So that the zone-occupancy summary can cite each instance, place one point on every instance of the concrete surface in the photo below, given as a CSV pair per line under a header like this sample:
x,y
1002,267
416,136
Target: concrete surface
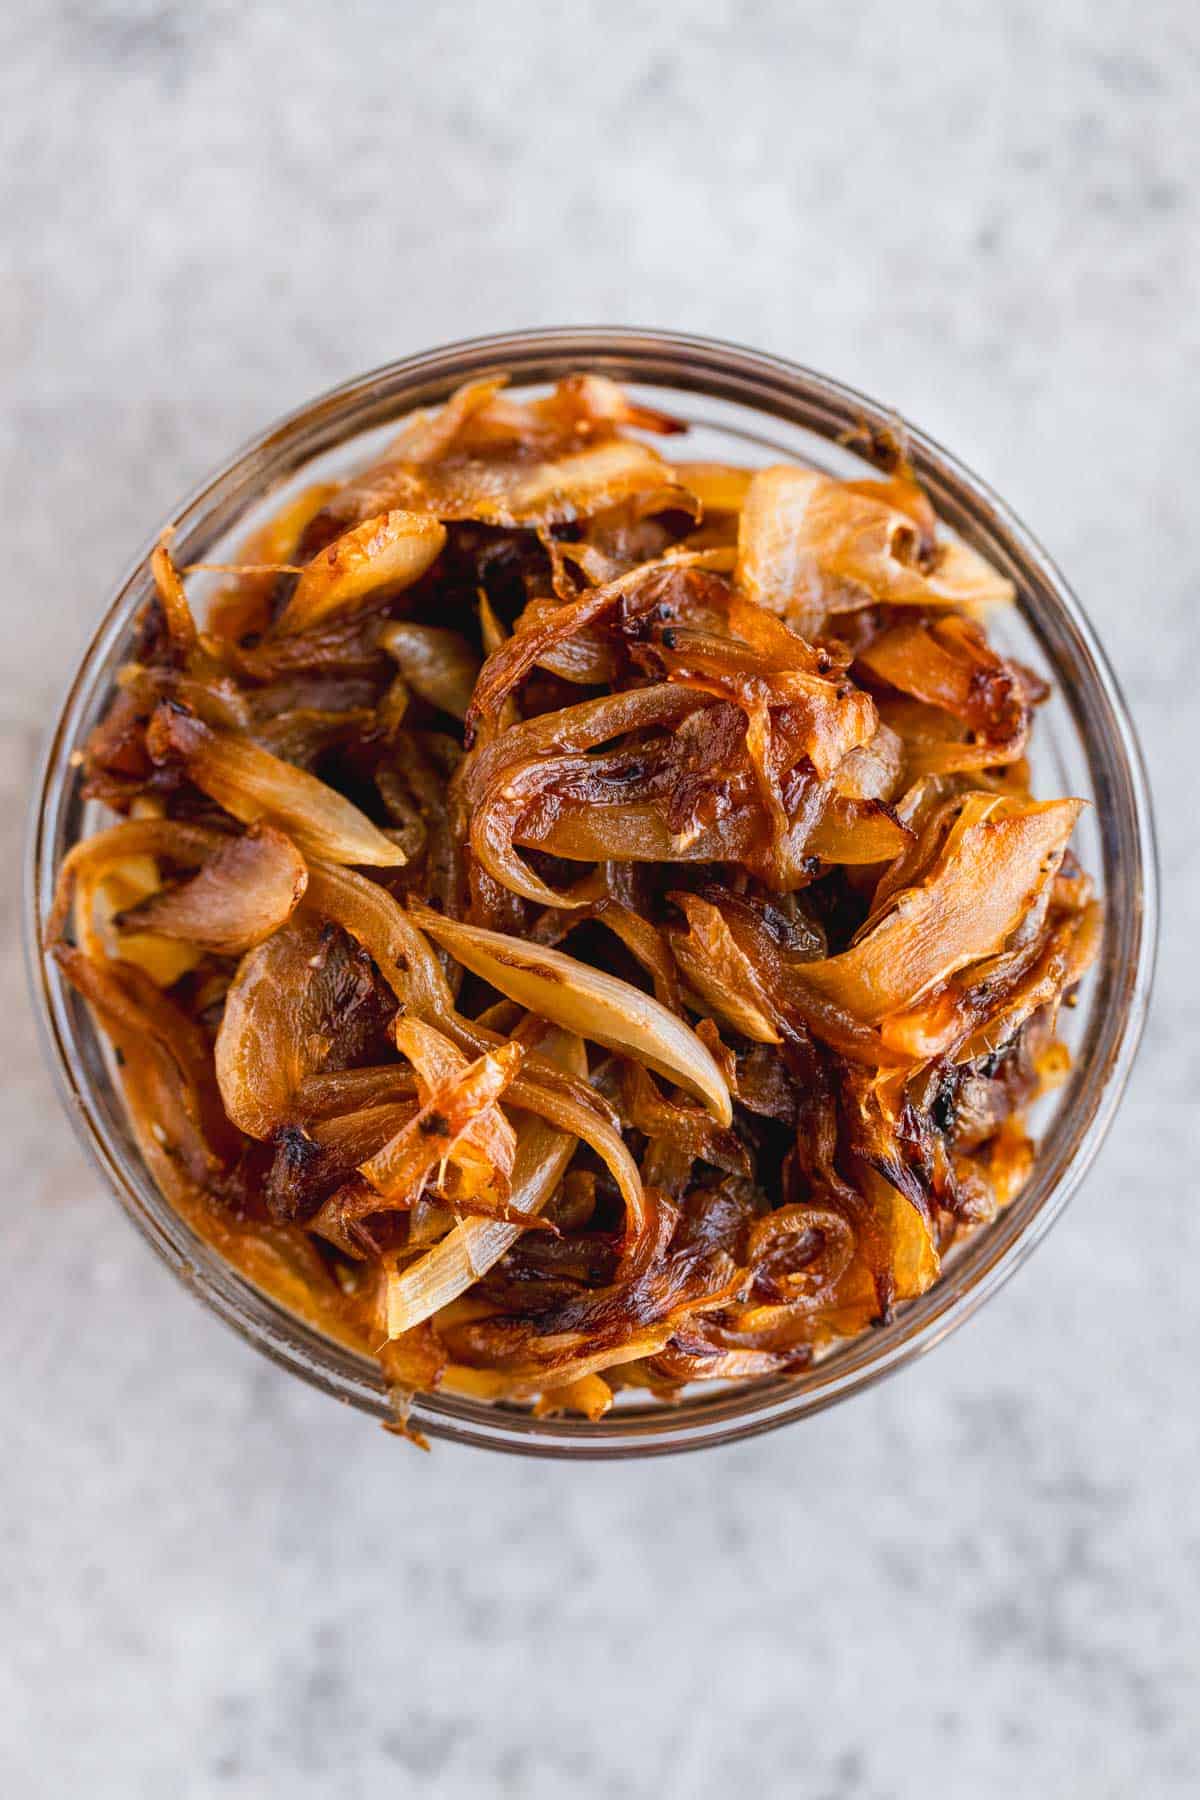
x,y
982,1578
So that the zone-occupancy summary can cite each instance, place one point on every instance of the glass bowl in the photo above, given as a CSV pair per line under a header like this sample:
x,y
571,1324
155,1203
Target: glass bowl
x,y
743,407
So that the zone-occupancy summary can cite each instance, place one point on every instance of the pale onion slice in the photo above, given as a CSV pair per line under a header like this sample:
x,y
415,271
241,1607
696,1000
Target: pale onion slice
x,y
252,784
248,888
437,664
382,556
474,1246
582,999
995,863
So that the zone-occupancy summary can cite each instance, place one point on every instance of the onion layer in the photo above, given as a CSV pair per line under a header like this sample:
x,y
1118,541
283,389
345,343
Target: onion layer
x,y
586,1000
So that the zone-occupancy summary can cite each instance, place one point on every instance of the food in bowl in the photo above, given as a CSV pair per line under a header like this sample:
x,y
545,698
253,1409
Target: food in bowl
x,y
578,919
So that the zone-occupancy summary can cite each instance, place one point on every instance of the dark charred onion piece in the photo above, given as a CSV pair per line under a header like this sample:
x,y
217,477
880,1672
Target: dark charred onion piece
x,y
526,746
372,916
502,784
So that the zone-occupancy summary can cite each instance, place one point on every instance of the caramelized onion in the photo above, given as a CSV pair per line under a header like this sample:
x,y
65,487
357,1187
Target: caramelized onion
x,y
438,665
735,736
809,546
587,1001
375,560
370,914
474,1245
720,973
980,889
252,784
249,888
284,1012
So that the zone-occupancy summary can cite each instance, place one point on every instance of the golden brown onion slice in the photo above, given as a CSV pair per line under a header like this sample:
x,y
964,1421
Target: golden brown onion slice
x,y
719,972
585,1000
284,1013
130,846
948,667
855,832
871,771
719,487
483,1155
995,863
243,605
475,1245
252,784
511,491
181,627
249,887
451,1106
438,665
776,565
426,437
809,546
168,1057
579,403
371,562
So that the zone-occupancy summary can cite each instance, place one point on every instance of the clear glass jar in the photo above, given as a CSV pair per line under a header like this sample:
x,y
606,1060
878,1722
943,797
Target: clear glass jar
x,y
743,407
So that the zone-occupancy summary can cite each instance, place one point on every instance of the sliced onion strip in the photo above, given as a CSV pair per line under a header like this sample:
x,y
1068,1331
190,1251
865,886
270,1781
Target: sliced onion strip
x,y
582,999
252,784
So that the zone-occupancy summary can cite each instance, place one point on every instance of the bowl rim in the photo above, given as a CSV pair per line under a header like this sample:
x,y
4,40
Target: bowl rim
x,y
770,384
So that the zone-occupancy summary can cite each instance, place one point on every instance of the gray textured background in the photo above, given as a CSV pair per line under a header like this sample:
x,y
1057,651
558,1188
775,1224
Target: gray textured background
x,y
981,1578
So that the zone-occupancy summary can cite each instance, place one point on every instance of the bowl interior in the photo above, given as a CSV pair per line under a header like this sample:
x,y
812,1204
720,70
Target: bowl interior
x,y
741,408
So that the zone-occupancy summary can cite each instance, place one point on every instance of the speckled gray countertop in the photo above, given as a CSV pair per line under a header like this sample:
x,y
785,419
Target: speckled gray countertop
x,y
981,1578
